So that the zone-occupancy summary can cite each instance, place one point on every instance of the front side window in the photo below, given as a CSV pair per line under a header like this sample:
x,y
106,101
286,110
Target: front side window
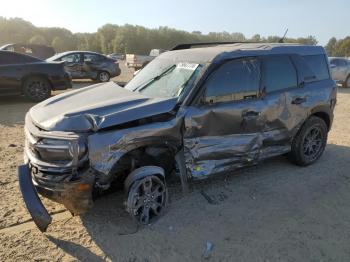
x,y
73,58
278,73
234,80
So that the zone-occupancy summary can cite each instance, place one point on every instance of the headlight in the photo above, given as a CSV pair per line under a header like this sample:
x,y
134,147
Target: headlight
x,y
58,150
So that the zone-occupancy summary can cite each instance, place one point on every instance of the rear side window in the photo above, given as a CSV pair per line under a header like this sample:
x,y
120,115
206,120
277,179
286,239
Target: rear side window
x,y
278,72
92,58
318,64
234,80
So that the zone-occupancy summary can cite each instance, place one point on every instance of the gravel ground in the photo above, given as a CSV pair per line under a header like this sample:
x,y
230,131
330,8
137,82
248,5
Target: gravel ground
x,y
271,212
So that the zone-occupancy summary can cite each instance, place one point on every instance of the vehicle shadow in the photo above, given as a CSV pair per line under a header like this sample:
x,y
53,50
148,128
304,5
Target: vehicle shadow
x,y
259,198
79,252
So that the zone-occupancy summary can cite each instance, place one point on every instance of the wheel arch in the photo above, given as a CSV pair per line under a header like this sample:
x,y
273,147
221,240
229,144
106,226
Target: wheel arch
x,y
324,116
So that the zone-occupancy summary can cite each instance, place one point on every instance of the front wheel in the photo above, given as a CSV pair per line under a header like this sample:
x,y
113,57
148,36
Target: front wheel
x,y
103,76
147,198
37,88
310,142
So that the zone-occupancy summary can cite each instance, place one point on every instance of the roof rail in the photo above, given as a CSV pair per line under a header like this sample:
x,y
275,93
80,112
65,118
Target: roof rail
x,y
190,45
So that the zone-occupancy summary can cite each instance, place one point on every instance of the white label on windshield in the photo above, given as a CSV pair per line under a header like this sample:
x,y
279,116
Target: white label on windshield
x,y
188,66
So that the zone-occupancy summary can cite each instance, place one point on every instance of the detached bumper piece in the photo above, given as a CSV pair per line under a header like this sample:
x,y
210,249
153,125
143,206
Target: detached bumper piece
x,y
34,205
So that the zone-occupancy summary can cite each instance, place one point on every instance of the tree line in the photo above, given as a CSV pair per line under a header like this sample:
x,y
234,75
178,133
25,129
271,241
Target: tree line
x,y
127,38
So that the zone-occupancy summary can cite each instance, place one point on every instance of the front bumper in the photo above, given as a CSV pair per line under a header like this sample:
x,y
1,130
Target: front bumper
x,y
74,192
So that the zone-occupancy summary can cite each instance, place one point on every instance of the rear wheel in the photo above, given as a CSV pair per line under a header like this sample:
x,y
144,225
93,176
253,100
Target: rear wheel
x,y
147,198
310,142
37,88
103,76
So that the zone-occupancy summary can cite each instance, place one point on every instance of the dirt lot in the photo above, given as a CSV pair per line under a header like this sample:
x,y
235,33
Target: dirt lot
x,y
272,212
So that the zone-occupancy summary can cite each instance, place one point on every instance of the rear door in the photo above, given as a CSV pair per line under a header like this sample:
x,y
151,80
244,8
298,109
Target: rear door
x,y
92,64
284,99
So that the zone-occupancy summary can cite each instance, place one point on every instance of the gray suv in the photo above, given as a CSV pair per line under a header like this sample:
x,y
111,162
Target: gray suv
x,y
340,70
192,112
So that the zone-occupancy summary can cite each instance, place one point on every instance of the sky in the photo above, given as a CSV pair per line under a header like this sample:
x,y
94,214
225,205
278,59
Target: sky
x,y
320,18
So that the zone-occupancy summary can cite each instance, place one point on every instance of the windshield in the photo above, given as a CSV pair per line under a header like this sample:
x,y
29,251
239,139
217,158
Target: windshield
x,y
164,78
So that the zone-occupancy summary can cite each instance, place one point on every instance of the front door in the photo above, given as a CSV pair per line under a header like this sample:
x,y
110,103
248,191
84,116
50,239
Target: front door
x,y
74,65
221,131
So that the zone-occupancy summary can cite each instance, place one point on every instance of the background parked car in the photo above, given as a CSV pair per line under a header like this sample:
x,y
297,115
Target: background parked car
x,y
140,61
39,51
82,64
340,70
35,78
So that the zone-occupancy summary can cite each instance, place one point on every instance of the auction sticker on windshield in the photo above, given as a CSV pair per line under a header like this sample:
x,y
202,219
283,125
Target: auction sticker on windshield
x,y
188,66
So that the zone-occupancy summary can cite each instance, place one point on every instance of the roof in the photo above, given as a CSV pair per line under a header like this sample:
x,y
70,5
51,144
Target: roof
x,y
226,51
72,52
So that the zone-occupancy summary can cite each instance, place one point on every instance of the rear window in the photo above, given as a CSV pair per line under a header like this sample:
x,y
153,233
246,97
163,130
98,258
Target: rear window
x,y
318,64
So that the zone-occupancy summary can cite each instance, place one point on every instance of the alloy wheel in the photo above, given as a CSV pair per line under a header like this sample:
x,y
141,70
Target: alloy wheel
x,y
313,143
147,199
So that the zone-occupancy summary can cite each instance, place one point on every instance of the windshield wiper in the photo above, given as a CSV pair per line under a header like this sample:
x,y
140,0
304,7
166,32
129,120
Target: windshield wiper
x,y
156,78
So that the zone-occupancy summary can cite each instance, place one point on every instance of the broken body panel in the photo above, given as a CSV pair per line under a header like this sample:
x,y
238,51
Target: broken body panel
x,y
203,138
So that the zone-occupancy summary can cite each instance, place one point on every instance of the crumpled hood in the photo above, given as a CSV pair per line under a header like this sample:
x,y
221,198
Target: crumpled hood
x,y
96,107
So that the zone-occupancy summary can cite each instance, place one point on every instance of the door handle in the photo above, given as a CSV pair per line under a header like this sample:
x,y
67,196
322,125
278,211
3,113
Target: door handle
x,y
298,100
250,114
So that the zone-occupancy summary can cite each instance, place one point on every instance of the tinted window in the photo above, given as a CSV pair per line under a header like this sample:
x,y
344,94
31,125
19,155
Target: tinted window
x,y
278,73
92,58
72,58
318,64
15,58
234,80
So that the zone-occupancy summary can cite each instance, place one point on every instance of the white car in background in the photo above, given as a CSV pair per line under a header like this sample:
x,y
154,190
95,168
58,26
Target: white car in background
x,y
340,70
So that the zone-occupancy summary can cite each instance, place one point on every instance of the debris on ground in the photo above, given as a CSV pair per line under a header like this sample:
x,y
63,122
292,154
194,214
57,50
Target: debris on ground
x,y
208,249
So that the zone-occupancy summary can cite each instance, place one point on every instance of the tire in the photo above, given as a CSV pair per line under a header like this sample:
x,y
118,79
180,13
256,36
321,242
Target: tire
x,y
103,76
346,84
147,199
37,88
310,142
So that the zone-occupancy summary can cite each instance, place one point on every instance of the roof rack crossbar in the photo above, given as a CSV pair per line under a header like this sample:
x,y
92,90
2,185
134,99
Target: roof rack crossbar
x,y
190,45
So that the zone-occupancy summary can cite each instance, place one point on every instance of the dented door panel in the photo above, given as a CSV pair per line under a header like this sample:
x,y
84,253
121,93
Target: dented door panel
x,y
223,137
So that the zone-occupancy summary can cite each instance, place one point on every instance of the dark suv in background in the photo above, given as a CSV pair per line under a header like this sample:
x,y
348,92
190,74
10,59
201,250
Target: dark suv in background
x,y
83,64
30,76
190,113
